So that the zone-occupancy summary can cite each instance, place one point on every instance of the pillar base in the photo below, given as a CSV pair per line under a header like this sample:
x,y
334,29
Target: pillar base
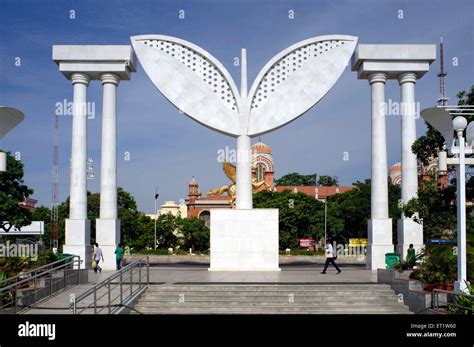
x,y
379,242
409,232
244,240
78,231
461,287
108,237
78,240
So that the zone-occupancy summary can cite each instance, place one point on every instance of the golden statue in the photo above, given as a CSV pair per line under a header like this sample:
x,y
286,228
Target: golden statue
x,y
231,173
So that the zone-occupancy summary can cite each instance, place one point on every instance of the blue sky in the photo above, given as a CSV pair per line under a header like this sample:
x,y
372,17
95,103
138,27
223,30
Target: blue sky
x,y
166,148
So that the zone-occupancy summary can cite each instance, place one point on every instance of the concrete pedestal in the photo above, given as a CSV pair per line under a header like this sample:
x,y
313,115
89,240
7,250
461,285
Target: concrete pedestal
x,y
108,237
379,242
409,232
78,240
244,240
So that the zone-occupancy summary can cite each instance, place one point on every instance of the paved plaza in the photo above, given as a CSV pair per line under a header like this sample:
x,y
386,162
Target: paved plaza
x,y
288,274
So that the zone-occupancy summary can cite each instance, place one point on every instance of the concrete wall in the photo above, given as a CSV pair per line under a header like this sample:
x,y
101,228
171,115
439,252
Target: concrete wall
x,y
204,259
418,300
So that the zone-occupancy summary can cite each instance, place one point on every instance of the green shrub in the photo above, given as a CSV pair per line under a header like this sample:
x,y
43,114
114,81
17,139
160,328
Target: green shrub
x,y
439,265
463,304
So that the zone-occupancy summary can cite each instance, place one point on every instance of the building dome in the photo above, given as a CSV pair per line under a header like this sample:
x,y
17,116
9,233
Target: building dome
x,y
395,173
260,147
193,182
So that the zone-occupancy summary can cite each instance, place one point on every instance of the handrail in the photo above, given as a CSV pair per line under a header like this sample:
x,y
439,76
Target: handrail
x,y
49,265
435,299
13,297
117,280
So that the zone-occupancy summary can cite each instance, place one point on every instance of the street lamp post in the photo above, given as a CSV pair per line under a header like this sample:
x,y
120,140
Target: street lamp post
x,y
440,119
156,211
325,220
459,124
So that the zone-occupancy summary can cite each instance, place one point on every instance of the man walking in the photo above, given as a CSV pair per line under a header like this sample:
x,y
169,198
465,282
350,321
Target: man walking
x,y
96,257
330,257
119,251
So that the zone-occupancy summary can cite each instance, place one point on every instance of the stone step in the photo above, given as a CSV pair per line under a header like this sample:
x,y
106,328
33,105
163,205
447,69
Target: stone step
x,y
250,287
341,309
216,303
270,292
270,299
237,301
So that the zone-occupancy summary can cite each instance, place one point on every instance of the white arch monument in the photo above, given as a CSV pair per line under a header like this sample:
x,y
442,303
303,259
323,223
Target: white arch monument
x,y
291,83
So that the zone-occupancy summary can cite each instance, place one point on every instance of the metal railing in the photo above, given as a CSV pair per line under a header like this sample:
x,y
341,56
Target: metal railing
x,y
452,302
26,289
113,294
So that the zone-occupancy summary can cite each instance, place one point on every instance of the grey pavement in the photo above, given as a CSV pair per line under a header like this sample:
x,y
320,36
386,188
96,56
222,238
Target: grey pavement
x,y
288,274
59,303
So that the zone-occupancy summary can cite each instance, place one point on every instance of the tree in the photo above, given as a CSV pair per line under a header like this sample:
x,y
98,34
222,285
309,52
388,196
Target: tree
x,y
195,232
166,226
296,179
300,215
349,212
12,192
137,230
43,213
466,98
427,147
328,181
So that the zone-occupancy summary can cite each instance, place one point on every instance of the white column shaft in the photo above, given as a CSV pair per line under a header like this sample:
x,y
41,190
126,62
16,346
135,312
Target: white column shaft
x,y
408,114
244,173
78,182
108,172
379,188
460,284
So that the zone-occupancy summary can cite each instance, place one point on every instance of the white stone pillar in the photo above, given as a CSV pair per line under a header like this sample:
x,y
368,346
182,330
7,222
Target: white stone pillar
x,y
379,226
244,173
77,225
244,155
108,225
409,232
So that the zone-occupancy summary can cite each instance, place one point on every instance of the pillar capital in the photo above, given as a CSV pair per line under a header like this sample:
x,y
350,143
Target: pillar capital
x,y
109,77
80,77
377,77
407,77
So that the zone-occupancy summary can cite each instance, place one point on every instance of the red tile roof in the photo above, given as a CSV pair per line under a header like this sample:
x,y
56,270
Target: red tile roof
x,y
323,191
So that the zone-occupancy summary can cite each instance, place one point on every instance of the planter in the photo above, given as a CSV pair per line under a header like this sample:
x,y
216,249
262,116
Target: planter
x,y
450,287
428,287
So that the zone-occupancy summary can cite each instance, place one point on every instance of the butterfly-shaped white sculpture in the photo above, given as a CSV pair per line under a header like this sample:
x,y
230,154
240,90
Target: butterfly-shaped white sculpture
x,y
291,83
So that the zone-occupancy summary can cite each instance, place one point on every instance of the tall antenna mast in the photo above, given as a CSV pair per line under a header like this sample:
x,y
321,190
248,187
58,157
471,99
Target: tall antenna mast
x,y
53,232
443,99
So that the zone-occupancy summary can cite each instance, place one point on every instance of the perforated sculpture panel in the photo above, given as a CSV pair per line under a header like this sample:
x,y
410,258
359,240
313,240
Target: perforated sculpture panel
x,y
292,82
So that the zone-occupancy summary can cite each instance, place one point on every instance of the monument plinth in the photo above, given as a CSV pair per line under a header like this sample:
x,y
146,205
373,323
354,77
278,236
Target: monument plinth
x,y
244,240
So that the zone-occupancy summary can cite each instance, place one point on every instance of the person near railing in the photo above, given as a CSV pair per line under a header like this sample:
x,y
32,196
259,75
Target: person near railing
x,y
119,252
98,254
